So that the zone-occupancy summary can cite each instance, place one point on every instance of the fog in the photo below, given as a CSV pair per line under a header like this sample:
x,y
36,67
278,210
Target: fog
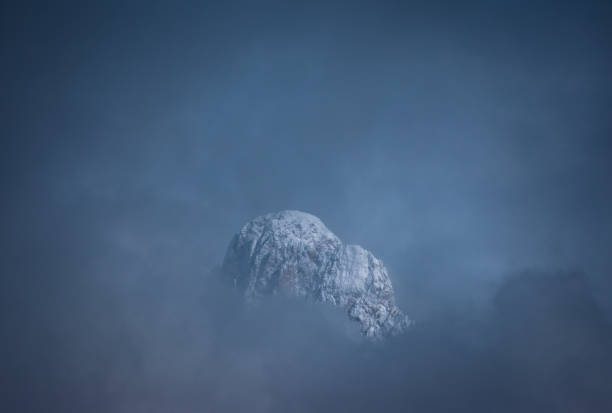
x,y
467,146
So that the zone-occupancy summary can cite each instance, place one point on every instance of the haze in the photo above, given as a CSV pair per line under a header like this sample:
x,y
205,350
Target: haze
x,y
466,144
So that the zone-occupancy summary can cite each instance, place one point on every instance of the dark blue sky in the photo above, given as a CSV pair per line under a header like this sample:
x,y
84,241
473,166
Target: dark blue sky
x,y
462,143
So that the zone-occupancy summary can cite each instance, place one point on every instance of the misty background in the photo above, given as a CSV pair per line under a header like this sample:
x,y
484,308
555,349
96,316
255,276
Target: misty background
x,y
466,144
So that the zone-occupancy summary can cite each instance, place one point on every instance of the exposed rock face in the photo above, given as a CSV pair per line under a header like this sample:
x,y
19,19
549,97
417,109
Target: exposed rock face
x,y
294,253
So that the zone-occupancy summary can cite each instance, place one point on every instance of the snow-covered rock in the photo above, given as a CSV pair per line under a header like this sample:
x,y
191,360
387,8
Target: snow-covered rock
x,y
293,253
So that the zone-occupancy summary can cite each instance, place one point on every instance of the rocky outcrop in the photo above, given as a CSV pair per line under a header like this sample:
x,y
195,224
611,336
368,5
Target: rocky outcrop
x,y
293,253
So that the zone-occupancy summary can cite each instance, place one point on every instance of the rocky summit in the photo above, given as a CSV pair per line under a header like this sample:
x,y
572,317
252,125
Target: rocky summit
x,y
293,253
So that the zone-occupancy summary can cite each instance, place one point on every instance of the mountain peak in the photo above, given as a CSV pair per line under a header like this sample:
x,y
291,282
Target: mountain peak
x,y
294,253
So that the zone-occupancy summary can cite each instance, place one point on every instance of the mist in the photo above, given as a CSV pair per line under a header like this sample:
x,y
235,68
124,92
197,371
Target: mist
x,y
467,146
